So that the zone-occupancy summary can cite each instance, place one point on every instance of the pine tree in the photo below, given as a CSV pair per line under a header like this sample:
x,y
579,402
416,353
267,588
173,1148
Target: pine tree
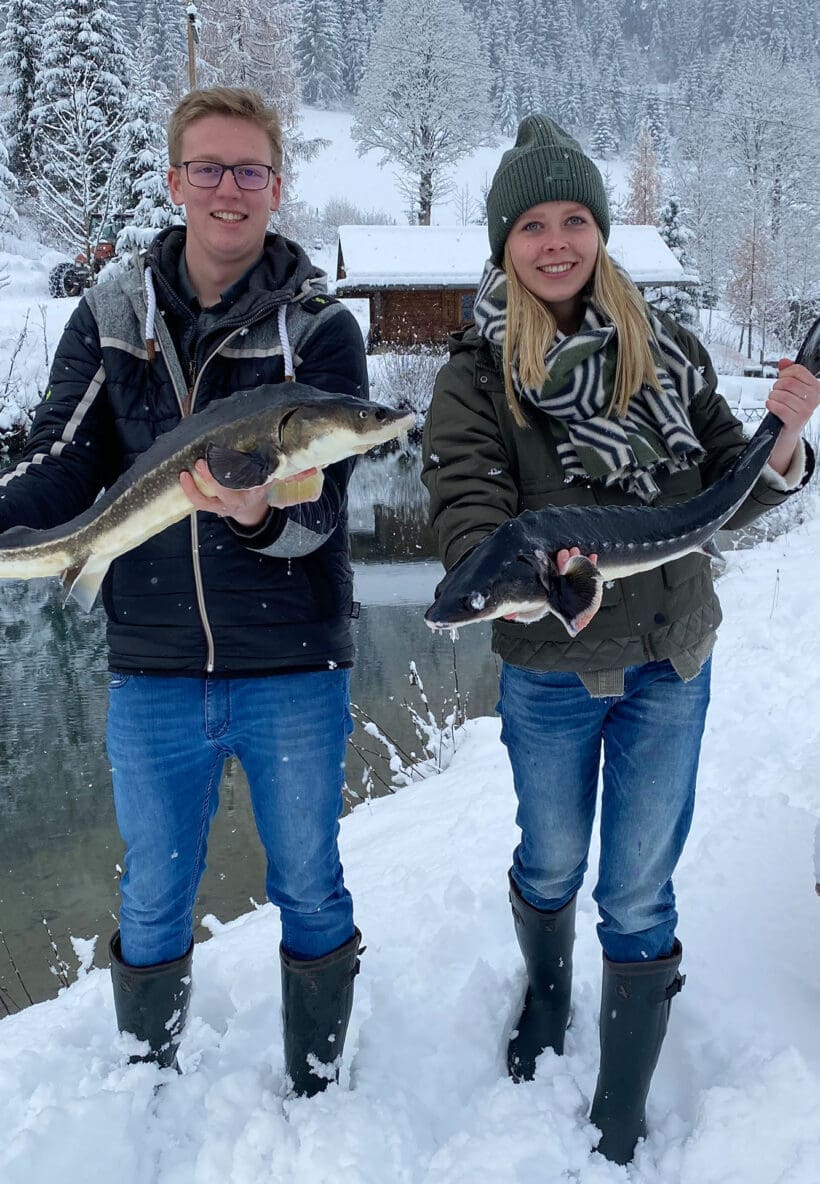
x,y
78,114
319,52
145,165
644,182
19,58
164,42
82,78
424,101
8,184
680,302
604,143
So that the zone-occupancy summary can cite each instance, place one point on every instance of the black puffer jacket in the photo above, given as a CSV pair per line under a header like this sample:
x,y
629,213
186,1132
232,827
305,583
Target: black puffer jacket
x,y
201,596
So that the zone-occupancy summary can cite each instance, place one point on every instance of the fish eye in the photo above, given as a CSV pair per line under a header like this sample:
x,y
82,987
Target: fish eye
x,y
363,414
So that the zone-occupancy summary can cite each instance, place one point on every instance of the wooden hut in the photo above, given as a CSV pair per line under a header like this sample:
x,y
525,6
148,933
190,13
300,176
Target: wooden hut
x,y
420,281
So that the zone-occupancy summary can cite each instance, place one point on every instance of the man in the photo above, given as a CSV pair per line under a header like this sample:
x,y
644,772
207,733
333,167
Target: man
x,y
229,633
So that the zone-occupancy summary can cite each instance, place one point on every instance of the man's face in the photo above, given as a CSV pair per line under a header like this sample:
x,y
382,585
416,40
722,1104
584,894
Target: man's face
x,y
226,224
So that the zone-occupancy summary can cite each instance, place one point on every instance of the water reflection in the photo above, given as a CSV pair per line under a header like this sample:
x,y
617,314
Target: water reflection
x,y
59,847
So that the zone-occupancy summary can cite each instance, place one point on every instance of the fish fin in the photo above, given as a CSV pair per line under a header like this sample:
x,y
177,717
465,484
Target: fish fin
x,y
575,594
282,494
82,583
711,549
240,470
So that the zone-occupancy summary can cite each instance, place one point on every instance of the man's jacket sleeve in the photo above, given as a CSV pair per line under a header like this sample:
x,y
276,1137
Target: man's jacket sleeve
x,y
71,452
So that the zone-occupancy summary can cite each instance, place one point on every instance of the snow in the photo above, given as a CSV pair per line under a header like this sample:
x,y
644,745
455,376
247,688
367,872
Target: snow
x,y
424,1098
454,256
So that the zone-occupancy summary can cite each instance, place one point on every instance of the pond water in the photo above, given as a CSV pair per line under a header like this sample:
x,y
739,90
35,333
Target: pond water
x,y
59,847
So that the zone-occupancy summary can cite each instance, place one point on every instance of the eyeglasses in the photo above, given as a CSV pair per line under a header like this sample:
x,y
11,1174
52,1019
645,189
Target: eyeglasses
x,y
206,174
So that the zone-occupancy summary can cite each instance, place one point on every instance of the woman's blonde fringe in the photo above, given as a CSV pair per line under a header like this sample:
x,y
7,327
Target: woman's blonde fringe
x,y
531,330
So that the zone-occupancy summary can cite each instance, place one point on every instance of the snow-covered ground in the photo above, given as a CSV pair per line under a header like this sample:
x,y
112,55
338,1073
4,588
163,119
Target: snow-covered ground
x,y
424,1098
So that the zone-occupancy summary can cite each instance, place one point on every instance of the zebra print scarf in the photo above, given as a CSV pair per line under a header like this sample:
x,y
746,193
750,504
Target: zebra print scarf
x,y
655,431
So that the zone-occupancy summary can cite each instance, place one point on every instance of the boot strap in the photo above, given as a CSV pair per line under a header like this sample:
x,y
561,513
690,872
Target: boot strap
x,y
666,994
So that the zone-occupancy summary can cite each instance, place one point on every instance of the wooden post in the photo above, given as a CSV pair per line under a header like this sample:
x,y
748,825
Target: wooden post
x,y
191,21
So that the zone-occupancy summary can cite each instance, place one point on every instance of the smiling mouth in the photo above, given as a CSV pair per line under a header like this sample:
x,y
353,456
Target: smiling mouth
x,y
555,268
228,216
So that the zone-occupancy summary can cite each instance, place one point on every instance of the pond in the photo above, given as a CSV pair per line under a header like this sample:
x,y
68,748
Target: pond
x,y
60,851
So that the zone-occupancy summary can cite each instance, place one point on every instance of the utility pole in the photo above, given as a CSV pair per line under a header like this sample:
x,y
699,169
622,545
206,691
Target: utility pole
x,y
192,22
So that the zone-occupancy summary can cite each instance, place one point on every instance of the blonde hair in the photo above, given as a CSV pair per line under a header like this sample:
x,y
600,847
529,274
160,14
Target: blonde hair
x,y
531,330
225,100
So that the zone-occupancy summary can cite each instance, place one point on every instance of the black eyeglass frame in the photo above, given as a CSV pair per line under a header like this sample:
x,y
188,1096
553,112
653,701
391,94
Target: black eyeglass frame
x,y
228,168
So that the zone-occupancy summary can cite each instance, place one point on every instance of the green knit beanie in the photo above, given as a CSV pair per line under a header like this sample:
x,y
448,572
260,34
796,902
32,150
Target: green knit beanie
x,y
545,165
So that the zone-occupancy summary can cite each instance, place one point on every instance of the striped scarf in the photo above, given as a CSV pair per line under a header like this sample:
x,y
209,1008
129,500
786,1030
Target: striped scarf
x,y
653,433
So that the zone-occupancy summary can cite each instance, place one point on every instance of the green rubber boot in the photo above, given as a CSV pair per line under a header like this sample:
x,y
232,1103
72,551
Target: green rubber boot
x,y
546,941
317,999
635,1001
151,1002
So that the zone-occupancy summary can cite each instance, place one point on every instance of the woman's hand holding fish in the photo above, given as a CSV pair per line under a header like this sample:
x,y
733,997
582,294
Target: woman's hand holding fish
x,y
794,398
562,559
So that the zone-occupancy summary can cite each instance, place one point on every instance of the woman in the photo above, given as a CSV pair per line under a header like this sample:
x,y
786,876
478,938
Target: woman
x,y
570,390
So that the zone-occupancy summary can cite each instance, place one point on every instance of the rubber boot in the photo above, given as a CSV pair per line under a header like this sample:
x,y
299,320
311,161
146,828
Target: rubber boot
x,y
151,1003
317,999
546,941
635,1001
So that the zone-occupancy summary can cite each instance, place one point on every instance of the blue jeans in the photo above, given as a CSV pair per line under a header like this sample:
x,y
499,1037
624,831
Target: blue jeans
x,y
168,738
555,731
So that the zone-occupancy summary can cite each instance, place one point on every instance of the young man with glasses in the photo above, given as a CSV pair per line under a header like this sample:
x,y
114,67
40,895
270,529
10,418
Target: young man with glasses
x,y
229,634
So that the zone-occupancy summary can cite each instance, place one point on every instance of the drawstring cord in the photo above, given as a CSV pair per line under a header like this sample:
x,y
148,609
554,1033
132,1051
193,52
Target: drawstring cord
x,y
287,356
150,314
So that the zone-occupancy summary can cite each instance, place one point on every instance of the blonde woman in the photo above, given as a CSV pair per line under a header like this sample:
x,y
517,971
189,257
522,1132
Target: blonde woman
x,y
569,389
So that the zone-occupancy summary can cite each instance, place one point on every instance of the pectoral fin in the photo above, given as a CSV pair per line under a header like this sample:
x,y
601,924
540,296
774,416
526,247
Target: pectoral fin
x,y
574,595
240,470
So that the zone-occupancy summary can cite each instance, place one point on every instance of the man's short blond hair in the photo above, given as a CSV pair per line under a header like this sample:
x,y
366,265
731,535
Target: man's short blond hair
x,y
235,101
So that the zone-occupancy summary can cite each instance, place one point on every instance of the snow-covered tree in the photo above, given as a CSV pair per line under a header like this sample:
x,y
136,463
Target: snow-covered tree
x,y
144,186
8,184
680,302
751,286
81,89
319,51
424,101
78,114
644,182
20,25
164,39
358,20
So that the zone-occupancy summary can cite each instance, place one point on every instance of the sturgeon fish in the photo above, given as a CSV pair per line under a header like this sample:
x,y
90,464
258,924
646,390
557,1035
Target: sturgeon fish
x,y
263,436
514,570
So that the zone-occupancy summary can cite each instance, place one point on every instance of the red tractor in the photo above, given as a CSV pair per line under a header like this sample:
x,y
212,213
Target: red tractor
x,y
71,279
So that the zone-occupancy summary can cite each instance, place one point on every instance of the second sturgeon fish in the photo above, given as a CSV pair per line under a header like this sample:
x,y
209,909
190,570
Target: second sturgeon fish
x,y
514,570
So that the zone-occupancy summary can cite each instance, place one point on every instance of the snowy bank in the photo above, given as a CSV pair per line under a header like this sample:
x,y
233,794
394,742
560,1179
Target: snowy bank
x,y
424,1098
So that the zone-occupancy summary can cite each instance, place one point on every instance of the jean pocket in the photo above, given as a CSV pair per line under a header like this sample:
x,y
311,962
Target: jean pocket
x,y
118,680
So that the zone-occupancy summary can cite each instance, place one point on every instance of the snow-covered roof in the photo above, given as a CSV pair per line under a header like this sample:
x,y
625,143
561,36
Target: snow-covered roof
x,y
454,256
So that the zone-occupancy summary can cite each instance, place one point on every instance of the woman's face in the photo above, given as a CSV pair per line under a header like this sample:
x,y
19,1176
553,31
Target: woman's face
x,y
553,248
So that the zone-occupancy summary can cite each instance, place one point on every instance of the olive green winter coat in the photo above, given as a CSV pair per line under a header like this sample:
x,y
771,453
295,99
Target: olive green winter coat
x,y
481,468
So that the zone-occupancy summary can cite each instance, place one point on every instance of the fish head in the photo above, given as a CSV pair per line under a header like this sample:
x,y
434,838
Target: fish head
x,y
323,429
493,580
506,576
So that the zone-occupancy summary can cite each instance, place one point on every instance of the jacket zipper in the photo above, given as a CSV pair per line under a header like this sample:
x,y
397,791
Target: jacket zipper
x,y
187,407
